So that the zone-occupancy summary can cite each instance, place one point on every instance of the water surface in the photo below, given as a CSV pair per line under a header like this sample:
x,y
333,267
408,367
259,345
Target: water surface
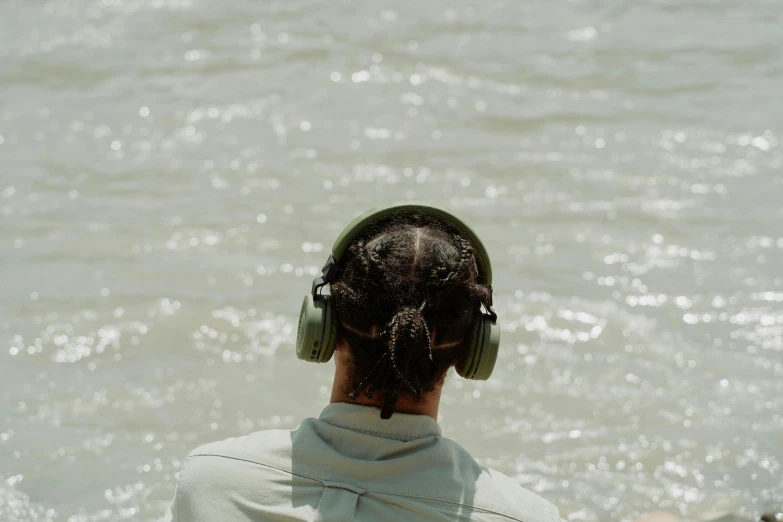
x,y
173,172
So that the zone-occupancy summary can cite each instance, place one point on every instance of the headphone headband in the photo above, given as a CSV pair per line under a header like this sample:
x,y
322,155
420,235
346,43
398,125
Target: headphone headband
x,y
371,217
318,329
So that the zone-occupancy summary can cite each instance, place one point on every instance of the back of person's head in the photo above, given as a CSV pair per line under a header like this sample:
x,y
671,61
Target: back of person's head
x,y
407,297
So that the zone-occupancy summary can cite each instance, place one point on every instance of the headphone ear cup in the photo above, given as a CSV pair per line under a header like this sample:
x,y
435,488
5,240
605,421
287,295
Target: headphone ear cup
x,y
467,364
317,331
489,353
308,333
330,330
482,354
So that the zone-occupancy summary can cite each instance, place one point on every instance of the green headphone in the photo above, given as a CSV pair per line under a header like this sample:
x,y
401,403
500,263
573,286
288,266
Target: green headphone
x,y
317,332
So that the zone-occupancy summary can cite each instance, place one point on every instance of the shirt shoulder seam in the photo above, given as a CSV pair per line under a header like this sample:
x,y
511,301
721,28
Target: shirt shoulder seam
x,y
369,489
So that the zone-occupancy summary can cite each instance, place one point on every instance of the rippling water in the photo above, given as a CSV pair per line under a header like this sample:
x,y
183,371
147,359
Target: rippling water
x,y
173,172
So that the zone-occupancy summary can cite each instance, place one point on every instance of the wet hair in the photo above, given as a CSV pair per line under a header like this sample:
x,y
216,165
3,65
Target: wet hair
x,y
407,295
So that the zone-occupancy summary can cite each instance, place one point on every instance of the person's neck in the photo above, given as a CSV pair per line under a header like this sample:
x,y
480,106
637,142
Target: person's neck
x,y
428,406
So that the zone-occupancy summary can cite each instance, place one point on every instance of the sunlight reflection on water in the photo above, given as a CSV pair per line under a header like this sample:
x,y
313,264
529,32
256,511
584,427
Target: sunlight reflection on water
x,y
174,173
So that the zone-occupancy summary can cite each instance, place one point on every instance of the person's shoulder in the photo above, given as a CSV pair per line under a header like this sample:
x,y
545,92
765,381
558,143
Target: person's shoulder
x,y
232,456
495,488
494,491
258,447
233,462
234,465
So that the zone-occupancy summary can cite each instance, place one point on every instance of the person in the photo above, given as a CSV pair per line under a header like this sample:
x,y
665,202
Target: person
x,y
409,286
410,297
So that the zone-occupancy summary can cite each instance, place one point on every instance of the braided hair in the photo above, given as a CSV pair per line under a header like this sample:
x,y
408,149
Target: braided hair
x,y
406,284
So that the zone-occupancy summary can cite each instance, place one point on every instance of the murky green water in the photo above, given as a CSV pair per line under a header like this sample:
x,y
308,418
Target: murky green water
x,y
173,172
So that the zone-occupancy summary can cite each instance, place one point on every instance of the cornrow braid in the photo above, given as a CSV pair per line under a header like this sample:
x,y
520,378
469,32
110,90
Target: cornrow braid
x,y
405,283
426,330
402,332
359,252
463,270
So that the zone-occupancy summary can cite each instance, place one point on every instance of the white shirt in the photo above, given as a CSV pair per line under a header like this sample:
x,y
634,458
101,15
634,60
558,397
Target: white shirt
x,y
349,465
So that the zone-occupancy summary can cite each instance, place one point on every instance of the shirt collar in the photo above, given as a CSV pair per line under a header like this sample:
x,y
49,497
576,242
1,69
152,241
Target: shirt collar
x,y
404,426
